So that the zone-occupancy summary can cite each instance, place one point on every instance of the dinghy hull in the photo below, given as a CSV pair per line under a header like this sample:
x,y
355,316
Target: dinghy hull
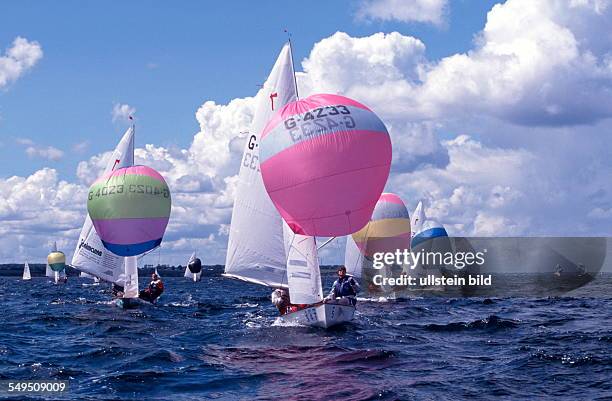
x,y
131,303
324,315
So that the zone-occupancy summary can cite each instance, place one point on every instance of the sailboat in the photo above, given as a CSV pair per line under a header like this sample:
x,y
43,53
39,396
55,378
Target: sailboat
x,y
128,210
56,265
90,255
387,232
194,268
26,272
262,249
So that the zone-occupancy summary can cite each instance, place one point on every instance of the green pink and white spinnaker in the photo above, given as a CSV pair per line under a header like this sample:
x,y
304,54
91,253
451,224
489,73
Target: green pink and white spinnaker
x,y
325,161
130,209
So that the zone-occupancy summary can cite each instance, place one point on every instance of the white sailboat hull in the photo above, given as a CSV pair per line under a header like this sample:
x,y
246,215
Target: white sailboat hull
x,y
324,315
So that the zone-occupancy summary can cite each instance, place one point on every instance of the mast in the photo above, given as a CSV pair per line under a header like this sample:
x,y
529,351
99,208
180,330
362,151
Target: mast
x,y
130,263
297,94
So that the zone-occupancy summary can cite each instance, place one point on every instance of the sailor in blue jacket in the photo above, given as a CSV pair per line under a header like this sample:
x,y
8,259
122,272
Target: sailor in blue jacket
x,y
344,290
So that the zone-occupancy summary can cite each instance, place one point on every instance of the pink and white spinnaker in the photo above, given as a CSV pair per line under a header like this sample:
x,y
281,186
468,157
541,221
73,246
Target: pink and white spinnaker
x,y
325,161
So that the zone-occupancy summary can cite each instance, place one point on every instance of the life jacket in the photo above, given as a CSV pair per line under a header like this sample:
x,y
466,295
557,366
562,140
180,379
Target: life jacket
x,y
156,286
344,287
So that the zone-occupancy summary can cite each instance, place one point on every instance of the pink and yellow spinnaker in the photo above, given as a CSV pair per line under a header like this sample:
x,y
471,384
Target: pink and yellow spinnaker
x,y
389,228
130,209
325,161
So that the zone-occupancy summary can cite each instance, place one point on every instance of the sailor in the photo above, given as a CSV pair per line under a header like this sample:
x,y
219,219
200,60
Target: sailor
x,y
344,290
280,299
155,289
117,291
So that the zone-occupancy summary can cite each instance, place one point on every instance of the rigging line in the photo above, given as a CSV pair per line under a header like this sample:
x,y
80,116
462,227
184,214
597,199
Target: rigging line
x,y
361,255
325,243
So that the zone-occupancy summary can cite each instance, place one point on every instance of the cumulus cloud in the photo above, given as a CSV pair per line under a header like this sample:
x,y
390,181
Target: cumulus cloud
x,y
18,59
80,147
533,66
35,150
122,112
48,152
36,210
426,11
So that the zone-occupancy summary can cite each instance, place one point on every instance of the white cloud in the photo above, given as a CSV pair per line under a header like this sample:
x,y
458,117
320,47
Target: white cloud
x,y
36,210
24,141
18,59
35,150
122,112
427,11
533,66
48,152
80,147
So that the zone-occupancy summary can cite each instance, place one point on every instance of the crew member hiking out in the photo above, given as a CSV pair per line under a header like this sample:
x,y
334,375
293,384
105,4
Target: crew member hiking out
x,y
344,290
155,289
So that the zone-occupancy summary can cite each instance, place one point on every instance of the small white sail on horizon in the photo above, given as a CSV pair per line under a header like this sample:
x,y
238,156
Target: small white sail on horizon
x,y
418,218
26,272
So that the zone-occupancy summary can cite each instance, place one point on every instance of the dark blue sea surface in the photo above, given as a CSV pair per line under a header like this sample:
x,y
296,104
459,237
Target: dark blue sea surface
x,y
217,339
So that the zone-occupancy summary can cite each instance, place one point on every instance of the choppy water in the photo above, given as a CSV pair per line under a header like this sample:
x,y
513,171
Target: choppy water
x,y
217,339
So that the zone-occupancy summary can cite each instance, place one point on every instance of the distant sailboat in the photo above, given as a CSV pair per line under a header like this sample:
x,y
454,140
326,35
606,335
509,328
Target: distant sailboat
x,y
388,231
262,249
56,264
26,272
193,270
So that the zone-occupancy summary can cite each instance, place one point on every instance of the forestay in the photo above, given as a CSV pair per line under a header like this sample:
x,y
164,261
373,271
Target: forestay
x,y
255,251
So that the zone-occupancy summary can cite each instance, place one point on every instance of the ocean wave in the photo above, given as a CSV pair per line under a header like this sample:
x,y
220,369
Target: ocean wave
x,y
492,322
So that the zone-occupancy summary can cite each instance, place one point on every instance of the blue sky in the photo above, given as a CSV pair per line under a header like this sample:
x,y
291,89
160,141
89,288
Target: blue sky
x,y
165,61
499,112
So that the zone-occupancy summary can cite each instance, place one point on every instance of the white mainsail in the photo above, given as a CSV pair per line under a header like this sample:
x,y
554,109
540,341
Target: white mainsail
x,y
90,256
26,272
256,250
418,218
